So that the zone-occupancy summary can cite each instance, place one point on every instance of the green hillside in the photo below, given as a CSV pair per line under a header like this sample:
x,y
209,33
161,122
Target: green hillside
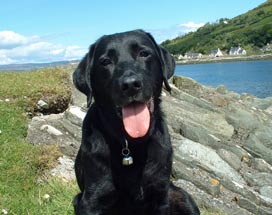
x,y
251,30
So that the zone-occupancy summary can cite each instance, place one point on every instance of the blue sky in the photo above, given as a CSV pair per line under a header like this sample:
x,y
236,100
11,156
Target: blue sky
x,y
53,30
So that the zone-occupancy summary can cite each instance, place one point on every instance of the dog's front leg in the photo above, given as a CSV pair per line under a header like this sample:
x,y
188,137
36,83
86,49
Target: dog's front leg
x,y
156,177
95,201
99,193
94,177
156,194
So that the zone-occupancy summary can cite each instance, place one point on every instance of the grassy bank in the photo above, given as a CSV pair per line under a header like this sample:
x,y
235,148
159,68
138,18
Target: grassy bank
x,y
22,165
25,187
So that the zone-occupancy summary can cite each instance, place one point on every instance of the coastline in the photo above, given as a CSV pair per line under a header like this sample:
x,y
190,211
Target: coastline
x,y
224,59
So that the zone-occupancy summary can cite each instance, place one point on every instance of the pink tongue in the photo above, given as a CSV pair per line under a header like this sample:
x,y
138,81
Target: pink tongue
x,y
136,119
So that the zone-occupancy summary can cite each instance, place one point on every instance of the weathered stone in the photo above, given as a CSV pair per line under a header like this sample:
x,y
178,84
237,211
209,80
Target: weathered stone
x,y
196,175
71,129
219,101
232,159
263,104
222,89
259,179
240,118
75,115
41,104
259,142
36,135
64,169
269,110
186,84
208,159
262,165
51,130
252,207
197,125
241,189
214,204
266,192
45,130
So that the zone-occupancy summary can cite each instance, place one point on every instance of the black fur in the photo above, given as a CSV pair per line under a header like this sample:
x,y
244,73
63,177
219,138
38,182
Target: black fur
x,y
107,187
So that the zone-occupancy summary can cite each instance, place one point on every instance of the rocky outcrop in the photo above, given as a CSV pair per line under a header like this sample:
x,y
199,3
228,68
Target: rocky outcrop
x,y
222,144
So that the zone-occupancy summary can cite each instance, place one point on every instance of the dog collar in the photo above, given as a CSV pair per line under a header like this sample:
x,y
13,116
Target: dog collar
x,y
127,159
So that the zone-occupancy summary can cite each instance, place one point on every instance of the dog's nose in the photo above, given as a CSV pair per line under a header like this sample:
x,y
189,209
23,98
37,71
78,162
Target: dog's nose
x,y
131,85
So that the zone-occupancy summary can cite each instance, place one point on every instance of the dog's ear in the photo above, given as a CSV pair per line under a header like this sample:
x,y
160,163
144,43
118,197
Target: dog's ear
x,y
81,76
167,62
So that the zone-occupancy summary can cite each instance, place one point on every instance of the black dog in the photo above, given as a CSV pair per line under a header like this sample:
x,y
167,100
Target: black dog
x,y
124,163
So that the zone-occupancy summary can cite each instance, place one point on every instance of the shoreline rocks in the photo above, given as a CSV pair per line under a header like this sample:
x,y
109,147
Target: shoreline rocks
x,y
222,144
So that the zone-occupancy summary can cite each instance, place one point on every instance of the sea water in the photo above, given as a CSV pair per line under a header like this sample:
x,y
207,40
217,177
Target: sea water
x,y
253,77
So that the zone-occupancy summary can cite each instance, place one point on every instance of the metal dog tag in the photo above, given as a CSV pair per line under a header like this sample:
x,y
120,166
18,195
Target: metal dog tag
x,y
127,161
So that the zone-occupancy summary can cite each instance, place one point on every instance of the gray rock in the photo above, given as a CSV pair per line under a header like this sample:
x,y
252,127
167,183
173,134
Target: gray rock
x,y
200,125
36,135
232,159
75,115
196,175
261,165
41,104
254,208
259,142
269,110
51,130
266,192
214,204
64,169
262,103
222,89
259,179
240,118
208,159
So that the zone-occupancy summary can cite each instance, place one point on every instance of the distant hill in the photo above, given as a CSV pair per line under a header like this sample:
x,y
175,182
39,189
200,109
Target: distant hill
x,y
32,66
251,30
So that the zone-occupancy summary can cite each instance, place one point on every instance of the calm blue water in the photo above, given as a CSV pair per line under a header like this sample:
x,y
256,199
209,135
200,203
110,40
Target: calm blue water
x,y
254,77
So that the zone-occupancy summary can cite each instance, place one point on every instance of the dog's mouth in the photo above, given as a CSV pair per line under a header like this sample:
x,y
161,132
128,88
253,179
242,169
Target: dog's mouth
x,y
136,118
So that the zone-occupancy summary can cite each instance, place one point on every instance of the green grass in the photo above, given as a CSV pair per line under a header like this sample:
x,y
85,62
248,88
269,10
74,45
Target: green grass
x,y
251,30
26,88
22,165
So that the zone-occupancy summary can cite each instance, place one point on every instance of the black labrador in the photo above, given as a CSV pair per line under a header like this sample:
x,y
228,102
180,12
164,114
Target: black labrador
x,y
124,163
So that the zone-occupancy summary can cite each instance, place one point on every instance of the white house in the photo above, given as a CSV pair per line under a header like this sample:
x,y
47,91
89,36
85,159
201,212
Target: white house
x,y
215,53
237,51
179,57
267,48
193,55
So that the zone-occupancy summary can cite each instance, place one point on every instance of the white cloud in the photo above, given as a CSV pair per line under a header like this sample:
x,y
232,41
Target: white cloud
x,y
192,25
10,39
175,31
17,48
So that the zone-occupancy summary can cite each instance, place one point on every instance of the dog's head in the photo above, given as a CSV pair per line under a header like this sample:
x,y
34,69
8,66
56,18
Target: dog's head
x,y
126,71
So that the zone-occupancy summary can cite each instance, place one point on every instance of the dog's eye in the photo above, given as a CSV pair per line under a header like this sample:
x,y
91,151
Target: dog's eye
x,y
144,53
105,61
